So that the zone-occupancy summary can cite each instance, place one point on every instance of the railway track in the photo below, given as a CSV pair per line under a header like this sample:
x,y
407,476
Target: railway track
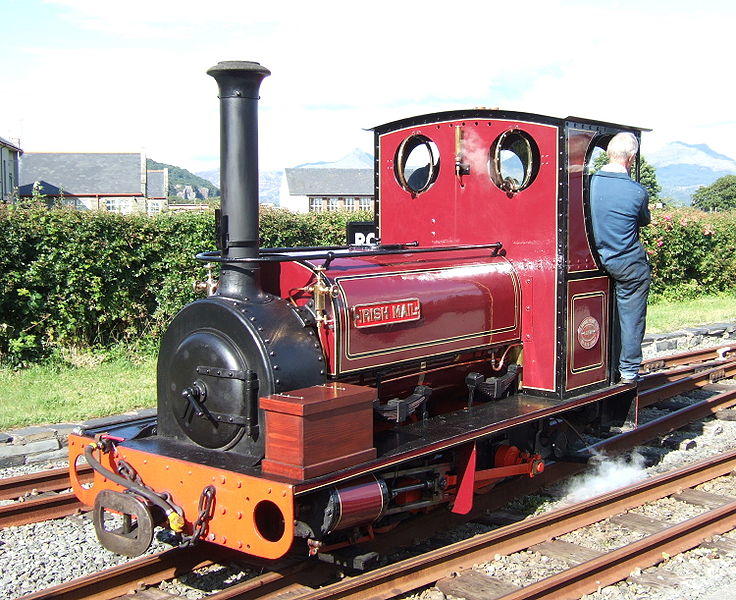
x,y
691,373
684,358
41,496
134,575
45,481
435,567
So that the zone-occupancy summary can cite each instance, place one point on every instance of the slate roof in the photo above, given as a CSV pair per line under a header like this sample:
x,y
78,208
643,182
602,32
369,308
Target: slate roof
x,y
81,173
11,145
155,184
330,182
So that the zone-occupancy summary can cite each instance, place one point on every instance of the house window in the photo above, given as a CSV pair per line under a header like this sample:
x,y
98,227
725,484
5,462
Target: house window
x,y
350,204
333,204
365,204
119,205
315,204
71,202
154,207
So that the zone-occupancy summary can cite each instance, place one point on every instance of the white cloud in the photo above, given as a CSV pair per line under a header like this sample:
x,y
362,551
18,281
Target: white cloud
x,y
131,75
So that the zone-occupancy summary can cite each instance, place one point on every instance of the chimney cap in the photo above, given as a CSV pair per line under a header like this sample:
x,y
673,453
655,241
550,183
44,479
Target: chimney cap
x,y
226,66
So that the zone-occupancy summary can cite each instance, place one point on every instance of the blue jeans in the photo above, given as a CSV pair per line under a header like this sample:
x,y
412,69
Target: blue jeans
x,y
631,288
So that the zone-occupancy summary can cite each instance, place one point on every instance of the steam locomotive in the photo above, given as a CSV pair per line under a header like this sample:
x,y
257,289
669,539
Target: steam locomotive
x,y
321,394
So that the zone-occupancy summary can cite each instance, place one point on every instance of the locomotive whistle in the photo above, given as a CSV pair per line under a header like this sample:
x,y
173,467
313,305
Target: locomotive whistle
x,y
461,168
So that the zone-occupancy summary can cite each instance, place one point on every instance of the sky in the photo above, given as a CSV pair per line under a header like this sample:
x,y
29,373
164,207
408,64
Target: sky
x,y
112,76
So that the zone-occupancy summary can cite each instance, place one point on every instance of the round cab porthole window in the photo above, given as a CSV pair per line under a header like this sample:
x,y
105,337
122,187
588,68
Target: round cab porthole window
x,y
417,164
514,161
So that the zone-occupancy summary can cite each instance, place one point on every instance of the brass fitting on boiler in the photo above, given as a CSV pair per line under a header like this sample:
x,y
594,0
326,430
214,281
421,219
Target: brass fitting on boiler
x,y
320,293
209,285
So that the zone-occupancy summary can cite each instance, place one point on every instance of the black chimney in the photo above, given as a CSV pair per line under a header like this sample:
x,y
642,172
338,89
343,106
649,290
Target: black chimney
x,y
239,82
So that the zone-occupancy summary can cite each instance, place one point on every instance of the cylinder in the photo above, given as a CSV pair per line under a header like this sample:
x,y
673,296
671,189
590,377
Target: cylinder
x,y
239,83
357,503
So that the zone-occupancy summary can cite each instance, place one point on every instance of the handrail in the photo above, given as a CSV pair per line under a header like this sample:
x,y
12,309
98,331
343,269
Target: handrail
x,y
328,253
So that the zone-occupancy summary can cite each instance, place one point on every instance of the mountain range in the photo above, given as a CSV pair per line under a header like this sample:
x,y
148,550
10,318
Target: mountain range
x,y
269,184
681,169
185,184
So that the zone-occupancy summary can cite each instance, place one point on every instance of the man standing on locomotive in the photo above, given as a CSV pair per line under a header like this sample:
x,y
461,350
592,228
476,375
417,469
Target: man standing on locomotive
x,y
619,207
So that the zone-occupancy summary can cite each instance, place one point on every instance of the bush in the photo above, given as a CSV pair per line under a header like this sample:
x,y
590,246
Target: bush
x,y
78,279
691,253
95,280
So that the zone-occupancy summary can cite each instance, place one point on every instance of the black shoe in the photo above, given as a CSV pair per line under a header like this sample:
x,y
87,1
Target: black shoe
x,y
627,380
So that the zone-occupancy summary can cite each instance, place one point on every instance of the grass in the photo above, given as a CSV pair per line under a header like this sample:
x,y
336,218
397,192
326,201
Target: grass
x,y
94,388
55,394
667,316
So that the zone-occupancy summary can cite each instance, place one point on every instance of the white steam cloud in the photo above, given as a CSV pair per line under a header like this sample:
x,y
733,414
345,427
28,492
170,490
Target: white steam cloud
x,y
475,151
607,474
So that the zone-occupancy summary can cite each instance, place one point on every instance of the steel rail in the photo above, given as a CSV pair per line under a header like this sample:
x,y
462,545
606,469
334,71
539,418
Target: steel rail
x,y
52,480
658,378
382,583
616,565
141,572
426,569
726,398
698,379
38,509
296,578
273,581
691,356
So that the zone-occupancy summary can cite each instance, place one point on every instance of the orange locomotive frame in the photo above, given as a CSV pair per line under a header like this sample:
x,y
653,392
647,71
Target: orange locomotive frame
x,y
233,522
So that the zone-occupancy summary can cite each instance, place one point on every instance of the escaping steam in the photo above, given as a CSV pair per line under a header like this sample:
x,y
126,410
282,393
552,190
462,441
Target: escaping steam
x,y
475,151
607,475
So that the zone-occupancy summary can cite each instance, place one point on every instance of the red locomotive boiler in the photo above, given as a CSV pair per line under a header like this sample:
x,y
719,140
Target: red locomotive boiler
x,y
321,394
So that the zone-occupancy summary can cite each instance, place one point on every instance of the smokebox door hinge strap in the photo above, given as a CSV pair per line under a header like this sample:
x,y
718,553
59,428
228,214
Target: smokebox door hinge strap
x,y
224,373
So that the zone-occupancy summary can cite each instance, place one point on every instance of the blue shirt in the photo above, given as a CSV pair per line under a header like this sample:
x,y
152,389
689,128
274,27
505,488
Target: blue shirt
x,y
618,207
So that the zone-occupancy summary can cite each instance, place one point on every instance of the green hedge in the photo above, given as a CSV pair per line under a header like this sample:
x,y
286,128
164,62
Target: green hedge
x,y
95,279
73,279
691,253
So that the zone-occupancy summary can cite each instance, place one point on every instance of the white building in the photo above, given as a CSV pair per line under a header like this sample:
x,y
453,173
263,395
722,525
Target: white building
x,y
347,184
9,157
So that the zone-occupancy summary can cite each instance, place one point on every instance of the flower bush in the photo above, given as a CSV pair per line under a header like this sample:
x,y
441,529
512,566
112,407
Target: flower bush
x,y
691,252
